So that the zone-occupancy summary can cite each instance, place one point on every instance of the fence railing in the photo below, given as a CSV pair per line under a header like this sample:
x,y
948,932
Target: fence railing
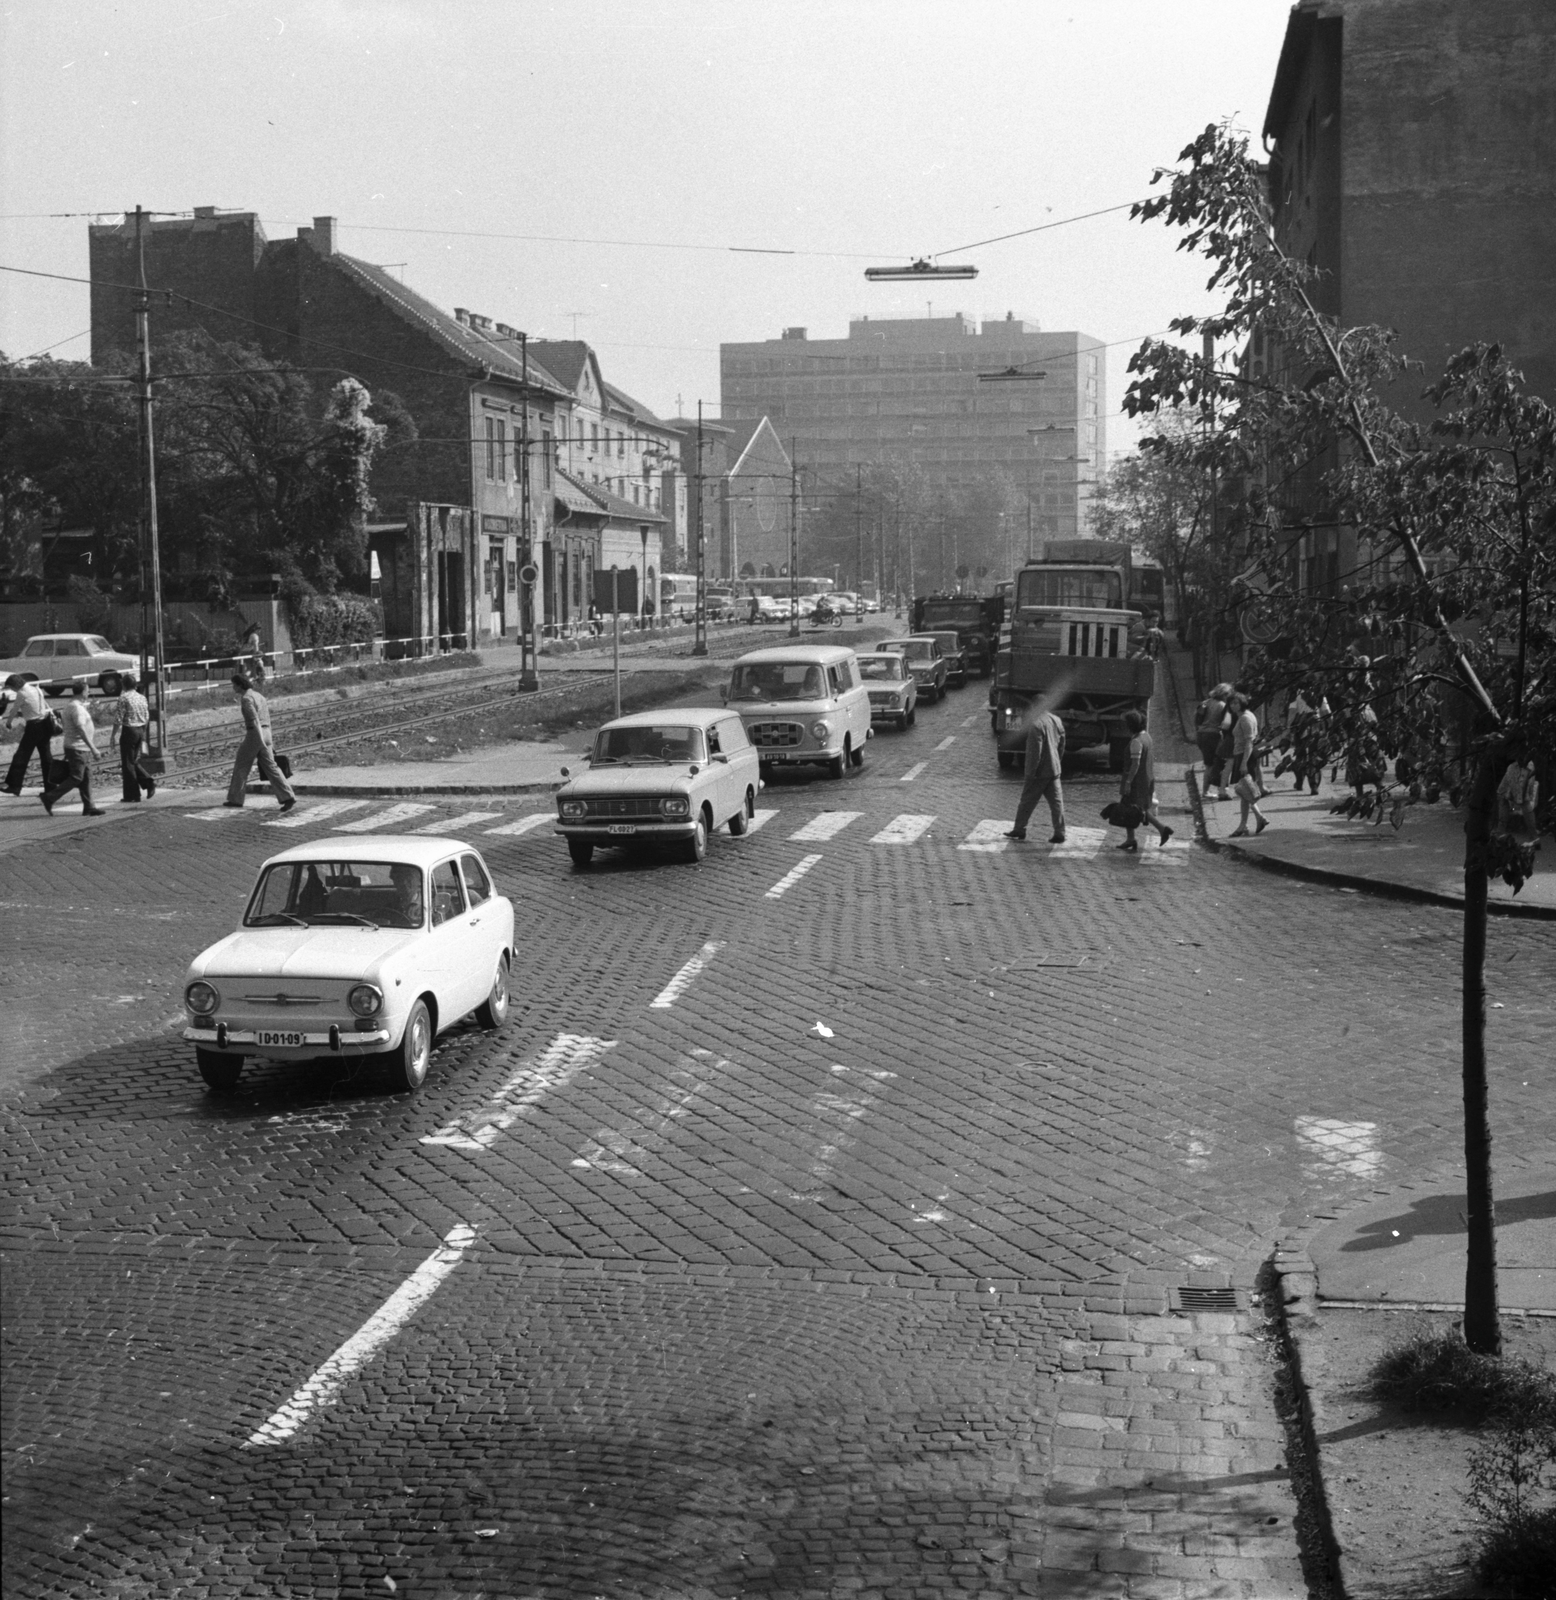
x,y
304,660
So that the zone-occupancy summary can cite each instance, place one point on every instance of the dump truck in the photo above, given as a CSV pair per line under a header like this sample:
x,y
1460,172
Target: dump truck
x,y
1072,635
976,621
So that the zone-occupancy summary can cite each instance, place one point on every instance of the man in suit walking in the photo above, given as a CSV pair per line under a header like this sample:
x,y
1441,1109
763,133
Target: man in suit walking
x,y
255,747
1044,757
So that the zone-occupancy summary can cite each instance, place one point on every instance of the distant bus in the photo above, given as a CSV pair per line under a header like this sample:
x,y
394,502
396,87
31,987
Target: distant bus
x,y
678,594
1152,592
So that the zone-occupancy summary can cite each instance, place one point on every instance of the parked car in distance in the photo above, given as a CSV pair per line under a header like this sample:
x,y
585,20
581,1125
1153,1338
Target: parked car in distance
x,y
802,705
660,778
892,688
367,948
925,661
954,653
57,660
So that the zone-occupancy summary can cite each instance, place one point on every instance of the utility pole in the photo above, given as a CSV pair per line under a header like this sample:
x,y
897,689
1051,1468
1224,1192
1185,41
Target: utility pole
x,y
700,644
529,641
157,758
858,544
794,543
1210,652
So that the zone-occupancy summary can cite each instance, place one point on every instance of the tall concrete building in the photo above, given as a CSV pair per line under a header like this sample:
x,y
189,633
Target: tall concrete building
x,y
911,390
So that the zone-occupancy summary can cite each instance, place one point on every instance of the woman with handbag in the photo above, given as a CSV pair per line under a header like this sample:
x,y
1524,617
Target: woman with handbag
x,y
1137,792
1245,766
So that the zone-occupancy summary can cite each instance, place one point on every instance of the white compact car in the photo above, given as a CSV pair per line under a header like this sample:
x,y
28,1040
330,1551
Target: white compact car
x,y
56,660
660,777
359,948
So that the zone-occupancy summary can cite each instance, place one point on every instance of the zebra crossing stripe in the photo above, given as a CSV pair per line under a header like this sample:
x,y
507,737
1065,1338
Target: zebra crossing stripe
x,y
760,819
384,819
216,814
789,879
826,826
310,814
1080,844
988,837
465,819
511,830
903,830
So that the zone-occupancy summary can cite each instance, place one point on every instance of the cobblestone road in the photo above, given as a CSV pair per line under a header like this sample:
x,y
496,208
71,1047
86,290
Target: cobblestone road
x,y
729,1304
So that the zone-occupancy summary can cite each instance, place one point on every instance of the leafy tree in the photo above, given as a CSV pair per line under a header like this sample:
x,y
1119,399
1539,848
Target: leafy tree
x,y
1443,631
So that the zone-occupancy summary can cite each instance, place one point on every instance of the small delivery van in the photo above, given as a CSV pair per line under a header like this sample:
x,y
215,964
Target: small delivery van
x,y
802,705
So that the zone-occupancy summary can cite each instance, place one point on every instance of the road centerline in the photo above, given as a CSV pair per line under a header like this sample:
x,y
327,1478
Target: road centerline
x,y
678,985
790,878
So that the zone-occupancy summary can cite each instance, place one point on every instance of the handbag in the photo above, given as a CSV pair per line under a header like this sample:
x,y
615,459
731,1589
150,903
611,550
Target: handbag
x,y
56,727
1123,814
284,762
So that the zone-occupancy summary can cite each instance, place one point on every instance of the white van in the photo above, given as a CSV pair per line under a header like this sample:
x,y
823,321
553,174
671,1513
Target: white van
x,y
802,705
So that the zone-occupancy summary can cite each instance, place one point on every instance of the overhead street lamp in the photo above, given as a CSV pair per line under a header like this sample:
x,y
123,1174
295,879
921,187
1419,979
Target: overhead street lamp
x,y
921,271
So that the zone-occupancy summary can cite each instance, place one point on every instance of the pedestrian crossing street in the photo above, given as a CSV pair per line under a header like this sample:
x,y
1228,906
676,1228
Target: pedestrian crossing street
x,y
906,828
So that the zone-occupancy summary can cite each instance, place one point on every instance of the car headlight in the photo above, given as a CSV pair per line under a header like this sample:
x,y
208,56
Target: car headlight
x,y
573,810
676,806
201,999
365,1000
820,730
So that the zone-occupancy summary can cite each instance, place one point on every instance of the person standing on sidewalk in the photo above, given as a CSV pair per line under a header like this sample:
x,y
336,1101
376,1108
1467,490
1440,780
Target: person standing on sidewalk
x,y
1138,786
31,710
80,753
255,747
1210,722
1044,758
131,718
1245,766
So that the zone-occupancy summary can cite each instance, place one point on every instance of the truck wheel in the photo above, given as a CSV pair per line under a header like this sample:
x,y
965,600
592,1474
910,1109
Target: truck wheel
x,y
838,764
1118,755
218,1069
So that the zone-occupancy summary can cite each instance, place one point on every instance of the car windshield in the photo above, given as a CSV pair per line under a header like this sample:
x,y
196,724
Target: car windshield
x,y
1086,588
888,667
777,680
913,649
664,741
325,893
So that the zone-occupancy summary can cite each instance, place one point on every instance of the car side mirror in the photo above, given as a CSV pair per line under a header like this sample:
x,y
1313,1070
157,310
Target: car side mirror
x,y
566,773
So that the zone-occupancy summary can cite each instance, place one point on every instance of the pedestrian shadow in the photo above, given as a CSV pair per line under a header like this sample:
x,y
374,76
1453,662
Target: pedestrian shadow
x,y
1442,1216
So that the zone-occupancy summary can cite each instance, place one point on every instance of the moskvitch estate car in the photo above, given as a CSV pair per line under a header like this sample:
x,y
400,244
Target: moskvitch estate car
x,y
57,660
660,778
892,688
366,948
924,661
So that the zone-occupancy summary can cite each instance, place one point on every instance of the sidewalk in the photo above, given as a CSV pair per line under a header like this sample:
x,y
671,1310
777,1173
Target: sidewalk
x,y
527,767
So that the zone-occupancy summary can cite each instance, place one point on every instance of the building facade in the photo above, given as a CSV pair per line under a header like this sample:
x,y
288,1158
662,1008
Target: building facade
x,y
745,496
913,390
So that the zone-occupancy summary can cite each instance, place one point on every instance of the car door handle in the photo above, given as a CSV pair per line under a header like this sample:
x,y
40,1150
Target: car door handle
x,y
474,921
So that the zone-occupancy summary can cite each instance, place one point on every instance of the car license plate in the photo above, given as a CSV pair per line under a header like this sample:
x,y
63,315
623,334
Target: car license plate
x,y
285,1039
624,827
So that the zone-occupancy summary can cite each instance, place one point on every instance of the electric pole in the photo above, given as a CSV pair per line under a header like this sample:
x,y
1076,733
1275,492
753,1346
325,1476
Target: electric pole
x,y
157,758
529,637
858,544
794,543
700,645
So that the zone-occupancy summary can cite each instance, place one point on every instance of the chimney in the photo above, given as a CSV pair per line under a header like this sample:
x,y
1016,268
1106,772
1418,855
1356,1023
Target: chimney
x,y
483,323
461,315
323,237
794,333
206,212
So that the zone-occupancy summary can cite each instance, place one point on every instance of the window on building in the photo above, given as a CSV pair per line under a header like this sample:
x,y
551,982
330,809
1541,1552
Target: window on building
x,y
548,447
491,447
502,450
594,438
621,443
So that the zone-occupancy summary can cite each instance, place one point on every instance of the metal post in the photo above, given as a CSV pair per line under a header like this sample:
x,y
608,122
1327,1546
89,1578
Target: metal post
x,y
529,636
157,758
616,632
794,543
700,644
858,545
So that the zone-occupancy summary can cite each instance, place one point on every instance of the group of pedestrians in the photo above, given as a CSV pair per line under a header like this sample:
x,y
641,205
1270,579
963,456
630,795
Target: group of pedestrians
x,y
1227,732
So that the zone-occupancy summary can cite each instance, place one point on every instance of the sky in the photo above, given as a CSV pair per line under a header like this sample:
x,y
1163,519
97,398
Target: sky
x,y
607,168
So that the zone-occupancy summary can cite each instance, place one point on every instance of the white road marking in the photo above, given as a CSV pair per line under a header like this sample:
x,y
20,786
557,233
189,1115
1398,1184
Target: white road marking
x,y
836,1114
988,837
903,829
967,722
561,1061
1080,844
324,1386
760,819
465,819
826,826
612,1146
216,814
385,819
1172,854
789,879
945,743
309,814
512,830
1348,1147
677,986
913,772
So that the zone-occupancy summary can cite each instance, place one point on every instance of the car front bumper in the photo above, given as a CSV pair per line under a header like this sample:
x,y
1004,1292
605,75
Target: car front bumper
x,y
625,832
334,1039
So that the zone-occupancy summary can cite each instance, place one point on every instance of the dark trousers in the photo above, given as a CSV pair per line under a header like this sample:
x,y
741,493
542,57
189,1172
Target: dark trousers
x,y
77,775
1215,768
1042,784
136,778
35,736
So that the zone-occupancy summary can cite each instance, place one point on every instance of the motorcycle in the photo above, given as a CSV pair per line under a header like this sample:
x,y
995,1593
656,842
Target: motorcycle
x,y
824,614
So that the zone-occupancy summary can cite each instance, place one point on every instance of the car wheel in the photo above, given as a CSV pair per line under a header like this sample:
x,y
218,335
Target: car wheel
x,y
493,1012
1007,759
902,721
218,1069
581,851
697,845
109,683
912,713
742,818
856,755
408,1063
838,764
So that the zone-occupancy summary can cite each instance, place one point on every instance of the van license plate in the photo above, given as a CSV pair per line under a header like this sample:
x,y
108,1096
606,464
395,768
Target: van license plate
x,y
624,827
286,1039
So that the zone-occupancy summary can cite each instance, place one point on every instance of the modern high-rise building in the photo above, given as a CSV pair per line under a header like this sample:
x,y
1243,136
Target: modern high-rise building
x,y
965,404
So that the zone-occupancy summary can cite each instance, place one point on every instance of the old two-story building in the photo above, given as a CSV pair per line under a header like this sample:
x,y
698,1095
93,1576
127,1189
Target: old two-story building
x,y
512,463
745,482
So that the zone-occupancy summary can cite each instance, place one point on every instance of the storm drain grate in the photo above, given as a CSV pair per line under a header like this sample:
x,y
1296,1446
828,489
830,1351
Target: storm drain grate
x,y
1191,1299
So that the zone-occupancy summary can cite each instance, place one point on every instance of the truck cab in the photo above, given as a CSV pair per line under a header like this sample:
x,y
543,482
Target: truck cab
x,y
1070,638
